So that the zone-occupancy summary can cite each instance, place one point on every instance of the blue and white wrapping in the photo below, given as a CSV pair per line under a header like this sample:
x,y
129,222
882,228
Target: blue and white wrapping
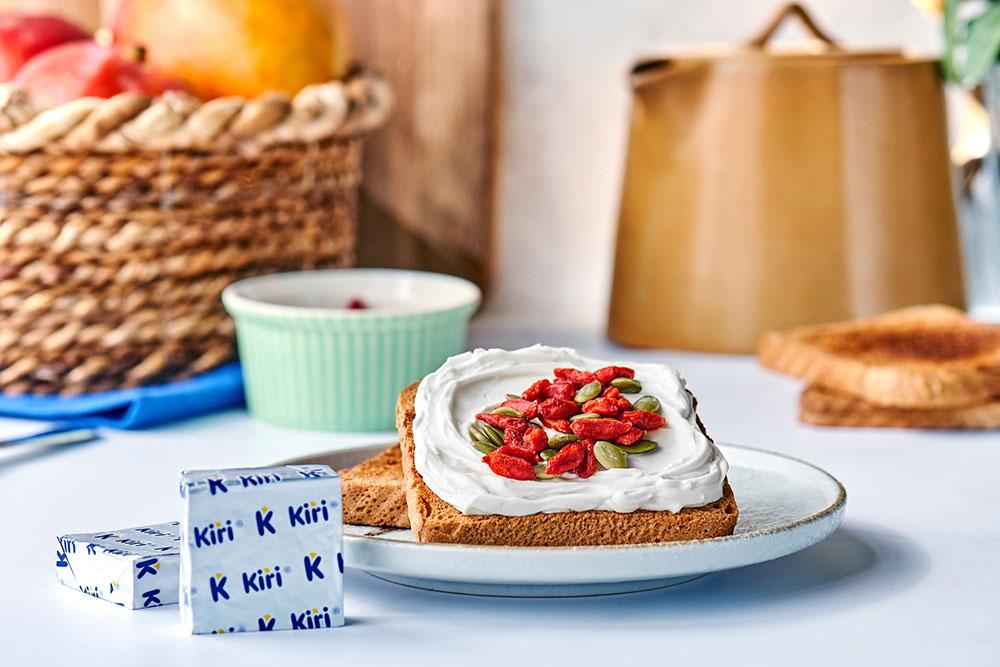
x,y
132,567
261,549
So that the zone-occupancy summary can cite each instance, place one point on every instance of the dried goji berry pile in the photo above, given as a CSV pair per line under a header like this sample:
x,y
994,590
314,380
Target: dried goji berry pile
x,y
588,412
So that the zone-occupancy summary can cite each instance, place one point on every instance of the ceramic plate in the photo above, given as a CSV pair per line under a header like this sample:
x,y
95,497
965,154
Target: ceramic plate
x,y
785,504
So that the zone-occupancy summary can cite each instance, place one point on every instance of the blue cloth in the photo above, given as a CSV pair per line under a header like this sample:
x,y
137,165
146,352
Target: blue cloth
x,y
140,407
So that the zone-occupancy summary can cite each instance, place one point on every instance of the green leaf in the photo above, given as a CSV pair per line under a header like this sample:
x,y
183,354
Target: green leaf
x,y
972,46
982,47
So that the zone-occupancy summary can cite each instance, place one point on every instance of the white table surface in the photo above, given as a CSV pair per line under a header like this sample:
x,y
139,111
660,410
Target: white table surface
x,y
913,576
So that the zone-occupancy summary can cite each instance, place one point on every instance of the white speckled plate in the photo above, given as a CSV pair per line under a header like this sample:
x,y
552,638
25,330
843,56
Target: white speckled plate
x,y
785,505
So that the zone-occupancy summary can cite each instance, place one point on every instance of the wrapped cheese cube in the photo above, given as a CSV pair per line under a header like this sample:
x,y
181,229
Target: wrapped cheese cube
x,y
136,568
261,549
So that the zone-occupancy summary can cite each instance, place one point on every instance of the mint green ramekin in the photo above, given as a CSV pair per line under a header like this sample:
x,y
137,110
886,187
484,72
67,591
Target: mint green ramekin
x,y
311,363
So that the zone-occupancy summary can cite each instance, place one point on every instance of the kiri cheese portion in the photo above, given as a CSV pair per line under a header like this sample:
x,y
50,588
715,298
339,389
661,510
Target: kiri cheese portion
x,y
132,567
261,549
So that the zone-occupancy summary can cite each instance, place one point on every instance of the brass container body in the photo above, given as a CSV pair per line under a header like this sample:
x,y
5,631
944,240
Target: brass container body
x,y
764,191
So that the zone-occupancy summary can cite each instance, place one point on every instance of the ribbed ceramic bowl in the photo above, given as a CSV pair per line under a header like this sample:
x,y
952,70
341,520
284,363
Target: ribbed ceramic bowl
x,y
309,362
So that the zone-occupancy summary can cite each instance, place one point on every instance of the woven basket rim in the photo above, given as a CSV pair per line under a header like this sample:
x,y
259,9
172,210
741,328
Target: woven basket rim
x,y
178,121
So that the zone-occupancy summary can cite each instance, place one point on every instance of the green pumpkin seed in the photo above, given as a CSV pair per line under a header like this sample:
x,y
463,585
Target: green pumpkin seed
x,y
507,412
561,440
640,447
588,392
477,435
609,455
626,385
584,415
483,447
548,453
541,474
492,433
647,404
513,397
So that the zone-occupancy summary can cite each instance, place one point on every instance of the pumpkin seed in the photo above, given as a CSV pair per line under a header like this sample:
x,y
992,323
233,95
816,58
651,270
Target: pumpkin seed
x,y
492,433
647,404
584,415
483,447
513,397
640,447
626,385
507,412
548,453
588,392
609,455
477,435
561,440
541,474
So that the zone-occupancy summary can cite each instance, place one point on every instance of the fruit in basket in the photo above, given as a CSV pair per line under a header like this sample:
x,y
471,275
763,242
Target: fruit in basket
x,y
23,36
239,47
85,68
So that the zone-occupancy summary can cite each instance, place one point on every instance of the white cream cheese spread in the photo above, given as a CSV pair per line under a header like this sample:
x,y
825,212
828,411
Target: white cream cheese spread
x,y
686,470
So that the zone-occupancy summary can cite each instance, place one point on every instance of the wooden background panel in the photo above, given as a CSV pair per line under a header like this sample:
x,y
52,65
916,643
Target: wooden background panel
x,y
432,169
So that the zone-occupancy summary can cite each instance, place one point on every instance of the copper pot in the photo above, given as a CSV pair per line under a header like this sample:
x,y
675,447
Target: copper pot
x,y
767,189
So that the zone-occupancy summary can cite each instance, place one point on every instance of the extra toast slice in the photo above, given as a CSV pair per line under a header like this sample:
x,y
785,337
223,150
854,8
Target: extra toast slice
x,y
434,520
826,407
373,491
921,357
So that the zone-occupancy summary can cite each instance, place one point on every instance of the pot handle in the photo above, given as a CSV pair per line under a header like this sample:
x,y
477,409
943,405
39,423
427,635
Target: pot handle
x,y
786,12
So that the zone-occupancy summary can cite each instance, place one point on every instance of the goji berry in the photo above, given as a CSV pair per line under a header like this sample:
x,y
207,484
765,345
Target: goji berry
x,y
624,404
503,421
520,453
576,377
563,390
509,466
561,425
611,392
647,421
536,439
588,466
558,408
606,407
537,391
512,437
568,459
527,408
609,373
599,429
632,436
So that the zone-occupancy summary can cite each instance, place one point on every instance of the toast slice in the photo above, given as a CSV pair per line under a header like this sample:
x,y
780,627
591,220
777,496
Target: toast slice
x,y
434,520
826,407
373,491
922,357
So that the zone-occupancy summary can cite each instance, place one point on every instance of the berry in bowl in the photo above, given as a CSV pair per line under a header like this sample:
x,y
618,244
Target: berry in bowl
x,y
331,350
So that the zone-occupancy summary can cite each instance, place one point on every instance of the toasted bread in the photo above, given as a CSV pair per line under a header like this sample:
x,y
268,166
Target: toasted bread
x,y
826,407
434,520
373,491
922,357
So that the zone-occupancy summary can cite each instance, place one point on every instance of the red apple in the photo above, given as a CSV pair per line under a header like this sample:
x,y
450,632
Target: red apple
x,y
24,36
88,69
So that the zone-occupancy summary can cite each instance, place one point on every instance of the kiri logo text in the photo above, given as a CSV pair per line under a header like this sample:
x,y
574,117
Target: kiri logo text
x,y
148,566
263,517
263,579
311,563
311,619
217,587
214,533
259,480
216,486
308,513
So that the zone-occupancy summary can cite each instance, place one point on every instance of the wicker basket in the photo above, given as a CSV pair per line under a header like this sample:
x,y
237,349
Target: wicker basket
x,y
121,221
